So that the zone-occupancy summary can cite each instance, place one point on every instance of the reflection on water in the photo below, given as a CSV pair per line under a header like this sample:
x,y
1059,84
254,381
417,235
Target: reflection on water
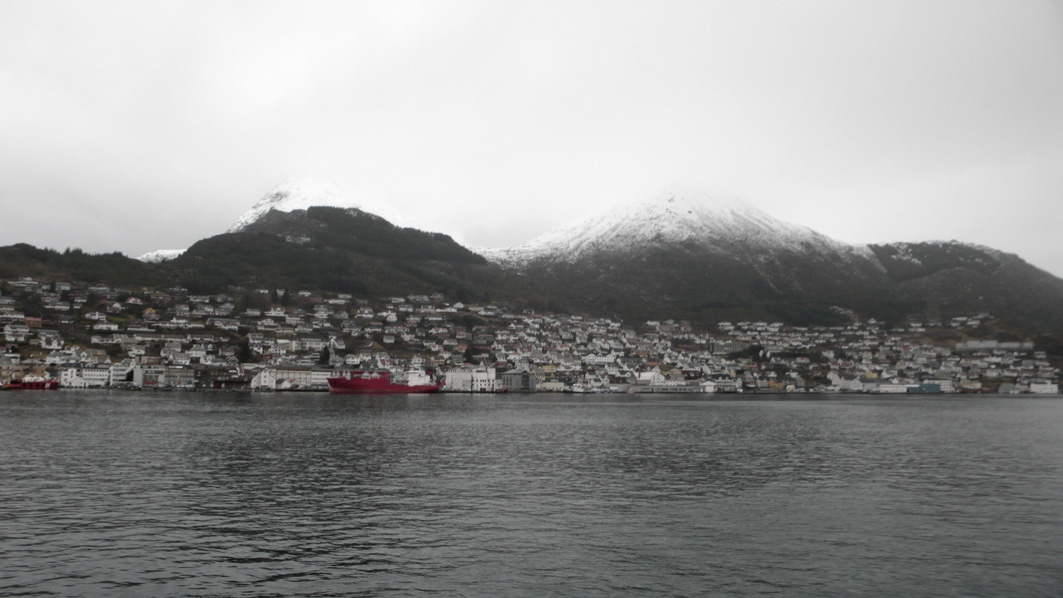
x,y
206,494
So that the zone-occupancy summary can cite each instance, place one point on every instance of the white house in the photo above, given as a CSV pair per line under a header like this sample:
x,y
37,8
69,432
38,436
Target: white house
x,y
92,376
16,333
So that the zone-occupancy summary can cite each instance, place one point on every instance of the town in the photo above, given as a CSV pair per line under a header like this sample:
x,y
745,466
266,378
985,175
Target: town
x,y
98,336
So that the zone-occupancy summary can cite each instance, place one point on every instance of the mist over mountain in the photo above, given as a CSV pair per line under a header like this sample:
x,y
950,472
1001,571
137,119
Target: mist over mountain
x,y
302,194
298,195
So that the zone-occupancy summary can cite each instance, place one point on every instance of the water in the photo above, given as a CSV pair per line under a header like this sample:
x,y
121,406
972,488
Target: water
x,y
137,494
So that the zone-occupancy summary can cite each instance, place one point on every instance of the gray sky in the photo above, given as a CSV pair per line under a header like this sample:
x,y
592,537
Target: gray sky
x,y
133,126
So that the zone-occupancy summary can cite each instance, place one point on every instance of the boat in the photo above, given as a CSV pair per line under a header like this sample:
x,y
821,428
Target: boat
x,y
381,383
32,384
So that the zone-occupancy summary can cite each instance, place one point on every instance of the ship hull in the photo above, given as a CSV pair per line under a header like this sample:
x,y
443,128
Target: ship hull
x,y
32,385
379,384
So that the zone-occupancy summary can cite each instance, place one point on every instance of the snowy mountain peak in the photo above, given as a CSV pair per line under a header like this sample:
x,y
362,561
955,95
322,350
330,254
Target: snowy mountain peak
x,y
678,199
301,194
693,212
671,217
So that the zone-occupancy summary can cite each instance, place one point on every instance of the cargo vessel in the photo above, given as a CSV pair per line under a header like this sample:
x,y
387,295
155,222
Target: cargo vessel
x,y
381,383
32,384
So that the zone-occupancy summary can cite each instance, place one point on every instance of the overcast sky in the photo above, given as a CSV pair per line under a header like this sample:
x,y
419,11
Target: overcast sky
x,y
134,126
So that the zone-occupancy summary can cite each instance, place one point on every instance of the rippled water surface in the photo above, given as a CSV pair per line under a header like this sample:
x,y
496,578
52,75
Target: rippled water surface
x,y
226,494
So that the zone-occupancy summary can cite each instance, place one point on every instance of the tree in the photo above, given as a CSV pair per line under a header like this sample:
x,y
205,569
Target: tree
x,y
251,299
244,355
325,356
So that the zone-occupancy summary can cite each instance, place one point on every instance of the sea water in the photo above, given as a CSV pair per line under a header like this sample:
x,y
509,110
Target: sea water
x,y
197,494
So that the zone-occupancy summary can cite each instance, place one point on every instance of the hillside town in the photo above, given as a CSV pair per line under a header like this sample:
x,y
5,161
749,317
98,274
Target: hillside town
x,y
98,336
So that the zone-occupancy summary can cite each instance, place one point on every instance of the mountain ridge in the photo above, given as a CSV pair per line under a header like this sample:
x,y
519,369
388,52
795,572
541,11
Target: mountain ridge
x,y
687,255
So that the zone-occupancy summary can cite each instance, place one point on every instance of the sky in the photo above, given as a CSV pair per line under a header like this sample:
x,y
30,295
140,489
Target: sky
x,y
133,126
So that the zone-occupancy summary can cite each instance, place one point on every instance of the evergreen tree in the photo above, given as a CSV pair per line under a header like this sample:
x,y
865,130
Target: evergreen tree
x,y
244,355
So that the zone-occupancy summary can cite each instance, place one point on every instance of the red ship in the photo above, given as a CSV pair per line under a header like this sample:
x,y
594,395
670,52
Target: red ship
x,y
380,383
32,384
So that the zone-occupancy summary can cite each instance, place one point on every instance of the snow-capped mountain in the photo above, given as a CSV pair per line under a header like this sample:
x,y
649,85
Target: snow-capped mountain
x,y
680,254
724,224
688,252
300,194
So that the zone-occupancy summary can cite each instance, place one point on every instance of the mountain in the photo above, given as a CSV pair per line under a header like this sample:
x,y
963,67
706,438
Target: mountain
x,y
358,231
682,255
674,218
707,258
696,256
73,264
302,194
296,195
306,233
334,249
951,278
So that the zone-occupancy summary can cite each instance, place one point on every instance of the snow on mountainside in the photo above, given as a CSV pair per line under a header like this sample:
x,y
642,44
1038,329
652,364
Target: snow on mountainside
x,y
160,255
723,223
300,194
